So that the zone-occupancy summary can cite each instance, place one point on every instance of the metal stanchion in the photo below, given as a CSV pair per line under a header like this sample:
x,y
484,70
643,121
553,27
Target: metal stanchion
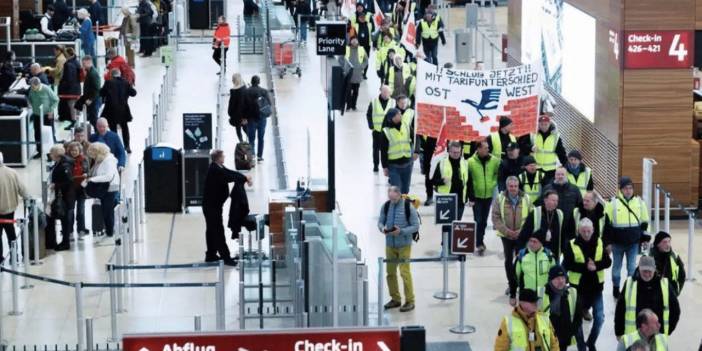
x,y
79,314
242,291
666,210
113,305
35,231
25,252
220,296
89,334
335,273
119,262
444,294
657,209
690,245
462,328
2,310
380,291
15,286
366,303
130,229
198,323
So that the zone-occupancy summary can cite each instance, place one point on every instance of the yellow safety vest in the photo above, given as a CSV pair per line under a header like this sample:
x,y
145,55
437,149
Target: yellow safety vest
x,y
393,35
467,146
399,145
661,340
382,53
534,191
533,268
579,257
630,303
545,153
518,332
537,219
576,217
621,217
354,21
361,53
675,272
391,76
572,299
379,113
526,206
408,117
430,31
497,143
483,176
582,181
447,172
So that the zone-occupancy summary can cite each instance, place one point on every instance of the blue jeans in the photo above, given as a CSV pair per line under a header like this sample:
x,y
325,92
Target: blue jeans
x,y
431,53
303,29
256,127
597,303
401,176
618,252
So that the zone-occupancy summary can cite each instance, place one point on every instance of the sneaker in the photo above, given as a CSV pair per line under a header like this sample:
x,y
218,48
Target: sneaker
x,y
481,250
36,156
375,169
587,315
83,232
230,262
392,304
260,159
407,307
428,202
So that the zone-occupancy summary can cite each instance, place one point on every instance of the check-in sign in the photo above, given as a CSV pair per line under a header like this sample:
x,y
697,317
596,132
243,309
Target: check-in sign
x,y
361,339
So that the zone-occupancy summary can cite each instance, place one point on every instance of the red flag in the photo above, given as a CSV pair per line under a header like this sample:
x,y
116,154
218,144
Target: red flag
x,y
378,16
440,149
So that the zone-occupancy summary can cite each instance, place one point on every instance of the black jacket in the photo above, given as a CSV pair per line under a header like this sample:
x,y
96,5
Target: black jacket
x,y
568,198
70,79
115,94
216,188
238,206
250,8
62,178
508,167
648,295
97,14
252,95
589,284
563,326
237,105
594,215
7,76
145,13
528,229
61,14
457,185
663,267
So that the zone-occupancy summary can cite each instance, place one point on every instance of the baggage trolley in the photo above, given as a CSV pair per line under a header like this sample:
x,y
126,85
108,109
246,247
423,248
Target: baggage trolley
x,y
286,58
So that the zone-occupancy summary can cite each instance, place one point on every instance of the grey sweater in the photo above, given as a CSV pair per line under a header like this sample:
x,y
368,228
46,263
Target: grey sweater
x,y
396,216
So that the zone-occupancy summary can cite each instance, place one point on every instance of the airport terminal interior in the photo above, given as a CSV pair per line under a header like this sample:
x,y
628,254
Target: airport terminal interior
x,y
613,77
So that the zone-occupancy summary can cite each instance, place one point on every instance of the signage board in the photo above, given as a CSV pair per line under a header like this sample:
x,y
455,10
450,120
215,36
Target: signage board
x,y
197,131
658,49
361,339
166,55
331,38
446,208
462,238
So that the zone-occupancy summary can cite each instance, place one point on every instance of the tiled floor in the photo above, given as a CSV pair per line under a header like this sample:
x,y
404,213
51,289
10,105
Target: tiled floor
x,y
49,310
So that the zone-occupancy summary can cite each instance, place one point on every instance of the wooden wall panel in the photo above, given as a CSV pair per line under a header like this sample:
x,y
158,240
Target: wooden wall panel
x,y
672,126
661,88
656,14
698,17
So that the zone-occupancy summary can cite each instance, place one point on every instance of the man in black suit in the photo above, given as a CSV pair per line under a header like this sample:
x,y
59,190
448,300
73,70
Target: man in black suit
x,y
215,195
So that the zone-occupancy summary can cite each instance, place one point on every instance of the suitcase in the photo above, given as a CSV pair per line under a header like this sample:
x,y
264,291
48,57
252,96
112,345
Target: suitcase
x,y
98,222
244,158
14,99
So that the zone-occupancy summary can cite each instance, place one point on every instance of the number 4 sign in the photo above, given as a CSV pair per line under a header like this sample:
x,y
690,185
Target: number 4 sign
x,y
677,48
658,49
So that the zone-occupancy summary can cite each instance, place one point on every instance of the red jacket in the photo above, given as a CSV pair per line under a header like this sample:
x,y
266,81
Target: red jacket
x,y
119,63
221,34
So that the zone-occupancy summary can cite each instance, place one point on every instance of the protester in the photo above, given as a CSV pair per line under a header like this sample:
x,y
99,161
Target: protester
x,y
69,89
499,141
590,209
562,305
104,174
221,37
91,91
568,196
104,135
510,166
215,194
364,27
257,97
357,56
43,102
429,30
548,149
118,62
116,93
375,115
301,16
525,328
579,174
237,107
668,263
87,36
549,219
647,334
396,155
11,188
482,172
63,202
79,172
451,177
531,180
398,226
532,265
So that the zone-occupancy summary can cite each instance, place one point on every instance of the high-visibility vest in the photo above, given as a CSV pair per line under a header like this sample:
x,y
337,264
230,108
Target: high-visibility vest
x,y
621,217
411,83
582,181
399,144
430,31
484,177
534,191
675,272
661,340
408,117
579,257
393,35
382,53
447,172
572,299
391,76
537,219
361,53
534,267
630,303
518,332
545,153
576,217
497,143
467,148
526,206
379,113
354,20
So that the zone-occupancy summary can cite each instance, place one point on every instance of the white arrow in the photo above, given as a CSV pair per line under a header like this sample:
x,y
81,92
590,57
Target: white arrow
x,y
242,349
444,215
462,243
382,346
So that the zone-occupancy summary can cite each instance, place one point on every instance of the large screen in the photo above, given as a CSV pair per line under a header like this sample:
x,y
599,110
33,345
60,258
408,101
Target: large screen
x,y
563,38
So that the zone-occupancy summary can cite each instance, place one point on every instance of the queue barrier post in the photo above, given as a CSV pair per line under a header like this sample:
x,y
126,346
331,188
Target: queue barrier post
x,y
113,305
219,291
462,328
25,252
35,231
2,308
690,244
15,286
79,314
666,210
380,291
657,209
197,323
444,294
89,339
242,291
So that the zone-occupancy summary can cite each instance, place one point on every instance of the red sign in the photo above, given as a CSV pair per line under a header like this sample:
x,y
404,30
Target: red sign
x,y
658,49
378,339
462,238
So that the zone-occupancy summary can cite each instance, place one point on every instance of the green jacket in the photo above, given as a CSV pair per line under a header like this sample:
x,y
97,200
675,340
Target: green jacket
x,y
91,85
483,177
44,97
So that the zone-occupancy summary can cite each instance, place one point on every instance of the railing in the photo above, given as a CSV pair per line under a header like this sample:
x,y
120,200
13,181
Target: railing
x,y
691,221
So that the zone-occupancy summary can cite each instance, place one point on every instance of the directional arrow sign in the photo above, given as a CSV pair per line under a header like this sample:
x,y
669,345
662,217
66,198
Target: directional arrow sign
x,y
350,339
462,238
445,209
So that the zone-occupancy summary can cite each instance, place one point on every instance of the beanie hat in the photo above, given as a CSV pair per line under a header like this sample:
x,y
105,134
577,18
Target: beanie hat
x,y
505,121
528,295
529,160
575,154
556,271
539,235
512,146
624,181
659,237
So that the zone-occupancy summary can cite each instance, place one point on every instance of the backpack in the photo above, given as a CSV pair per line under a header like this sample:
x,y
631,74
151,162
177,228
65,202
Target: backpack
x,y
415,202
264,107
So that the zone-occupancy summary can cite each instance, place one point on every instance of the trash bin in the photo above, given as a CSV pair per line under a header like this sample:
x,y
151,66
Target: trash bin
x,y
463,42
163,174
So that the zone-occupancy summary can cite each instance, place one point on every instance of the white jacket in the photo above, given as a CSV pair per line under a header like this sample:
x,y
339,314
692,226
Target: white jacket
x,y
106,171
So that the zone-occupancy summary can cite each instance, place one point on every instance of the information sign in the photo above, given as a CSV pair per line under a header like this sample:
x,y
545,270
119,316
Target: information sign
x,y
197,131
331,38
446,208
658,49
462,238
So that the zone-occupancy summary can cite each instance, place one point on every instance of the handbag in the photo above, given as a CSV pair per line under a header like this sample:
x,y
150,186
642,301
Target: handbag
x,y
97,190
58,207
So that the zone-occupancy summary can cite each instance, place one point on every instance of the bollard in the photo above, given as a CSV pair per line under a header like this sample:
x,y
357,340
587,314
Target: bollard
x,y
380,291
15,287
198,323
220,296
25,253
657,210
79,314
35,231
444,294
89,334
666,212
462,328
690,245
113,305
